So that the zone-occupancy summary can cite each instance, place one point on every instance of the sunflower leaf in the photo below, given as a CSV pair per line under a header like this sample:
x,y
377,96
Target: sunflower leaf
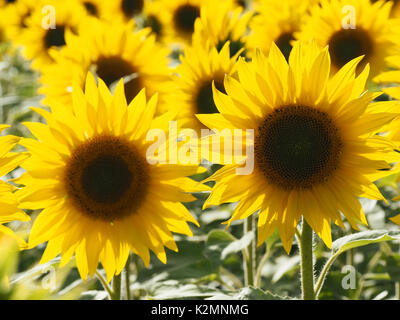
x,y
363,238
217,241
250,293
237,245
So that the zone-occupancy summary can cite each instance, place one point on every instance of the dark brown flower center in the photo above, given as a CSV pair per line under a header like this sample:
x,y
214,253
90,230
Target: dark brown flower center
x,y
154,23
297,147
284,44
204,98
131,7
112,69
91,8
55,37
184,18
106,178
348,44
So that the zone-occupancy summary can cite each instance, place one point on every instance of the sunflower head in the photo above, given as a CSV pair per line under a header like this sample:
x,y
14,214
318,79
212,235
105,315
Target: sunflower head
x,y
277,21
315,144
89,169
110,52
352,29
180,17
47,29
201,67
221,22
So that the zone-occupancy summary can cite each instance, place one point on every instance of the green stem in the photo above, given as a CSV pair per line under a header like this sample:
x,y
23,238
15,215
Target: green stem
x,y
323,275
116,287
104,284
127,282
264,259
249,262
307,263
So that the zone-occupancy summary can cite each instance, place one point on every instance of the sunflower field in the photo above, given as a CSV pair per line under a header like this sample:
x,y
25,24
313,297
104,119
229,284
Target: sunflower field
x,y
176,150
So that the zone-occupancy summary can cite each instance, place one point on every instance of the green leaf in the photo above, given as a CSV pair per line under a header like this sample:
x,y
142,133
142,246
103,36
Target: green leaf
x,y
188,263
362,239
173,289
238,245
250,293
217,241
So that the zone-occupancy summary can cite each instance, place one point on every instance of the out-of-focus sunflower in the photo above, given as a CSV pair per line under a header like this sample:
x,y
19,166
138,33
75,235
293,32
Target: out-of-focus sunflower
x,y
221,22
47,28
315,144
277,21
111,52
390,80
180,16
6,3
153,17
395,12
374,34
95,8
89,170
200,67
16,15
123,10
8,200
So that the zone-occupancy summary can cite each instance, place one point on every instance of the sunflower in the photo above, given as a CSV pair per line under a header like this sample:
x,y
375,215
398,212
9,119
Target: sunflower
x,y
8,200
277,21
95,8
42,35
123,10
395,13
153,17
315,148
200,67
221,22
6,3
374,34
16,15
89,169
111,52
390,79
180,17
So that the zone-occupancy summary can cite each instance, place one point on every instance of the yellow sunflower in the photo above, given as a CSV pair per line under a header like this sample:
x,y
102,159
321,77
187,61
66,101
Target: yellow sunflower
x,y
277,21
110,52
16,15
153,17
180,17
95,8
315,148
353,28
47,28
395,13
200,67
123,10
391,82
89,170
8,200
391,79
221,22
